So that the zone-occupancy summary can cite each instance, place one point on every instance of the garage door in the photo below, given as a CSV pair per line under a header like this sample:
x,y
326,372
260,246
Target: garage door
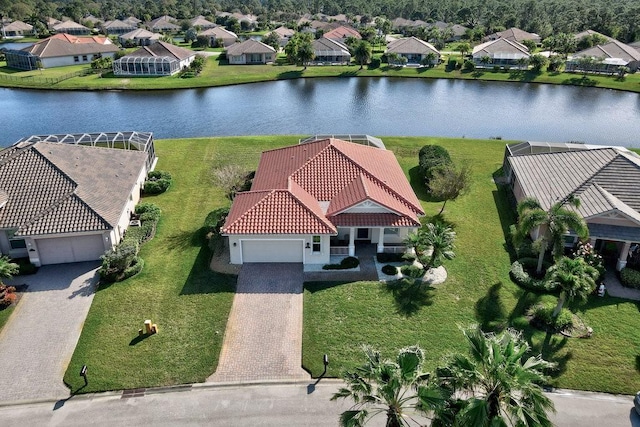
x,y
271,250
70,249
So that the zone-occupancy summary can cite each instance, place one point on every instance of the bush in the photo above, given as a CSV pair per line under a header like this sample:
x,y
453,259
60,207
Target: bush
x,y
469,65
630,278
215,220
117,260
543,312
412,271
157,182
522,278
389,270
430,158
385,257
148,212
452,64
375,63
346,264
25,267
136,267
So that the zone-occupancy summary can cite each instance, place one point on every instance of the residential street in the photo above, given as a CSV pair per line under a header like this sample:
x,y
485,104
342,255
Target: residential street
x,y
299,404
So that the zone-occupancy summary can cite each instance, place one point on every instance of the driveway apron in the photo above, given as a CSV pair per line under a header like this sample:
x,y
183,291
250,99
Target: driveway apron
x,y
38,341
263,338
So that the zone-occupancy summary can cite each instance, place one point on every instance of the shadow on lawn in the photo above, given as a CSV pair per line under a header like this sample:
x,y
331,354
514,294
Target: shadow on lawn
x,y
410,295
490,310
505,210
314,287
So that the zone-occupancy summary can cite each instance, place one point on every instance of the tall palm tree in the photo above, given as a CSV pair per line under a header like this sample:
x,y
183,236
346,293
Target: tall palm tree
x,y
495,384
394,387
439,238
556,222
7,268
362,52
575,278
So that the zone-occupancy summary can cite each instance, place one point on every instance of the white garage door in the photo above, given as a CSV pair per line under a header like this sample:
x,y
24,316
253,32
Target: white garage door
x,y
70,249
271,251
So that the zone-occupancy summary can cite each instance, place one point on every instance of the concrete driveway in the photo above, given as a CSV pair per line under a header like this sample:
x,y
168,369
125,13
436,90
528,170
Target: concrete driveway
x,y
38,341
263,338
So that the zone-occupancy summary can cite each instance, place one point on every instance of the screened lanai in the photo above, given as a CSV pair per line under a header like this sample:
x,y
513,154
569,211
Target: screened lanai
x,y
21,60
146,66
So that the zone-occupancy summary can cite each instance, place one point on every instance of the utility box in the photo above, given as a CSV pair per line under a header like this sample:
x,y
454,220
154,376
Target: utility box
x,y
148,328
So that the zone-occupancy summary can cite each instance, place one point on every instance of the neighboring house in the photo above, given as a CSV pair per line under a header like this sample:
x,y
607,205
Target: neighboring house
x,y
500,53
202,23
61,50
401,24
607,58
585,33
604,179
250,52
92,19
118,27
164,24
17,29
132,20
414,49
342,33
139,37
64,202
157,59
219,36
319,198
456,31
330,52
71,27
513,34
284,34
635,45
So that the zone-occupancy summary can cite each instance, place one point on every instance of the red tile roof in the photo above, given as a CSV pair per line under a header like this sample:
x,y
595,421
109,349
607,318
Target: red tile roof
x,y
342,32
316,184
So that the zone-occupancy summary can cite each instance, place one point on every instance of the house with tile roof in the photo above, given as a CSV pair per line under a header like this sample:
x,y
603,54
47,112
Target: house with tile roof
x,y
164,24
17,29
220,37
319,198
607,58
70,27
284,34
514,34
201,22
65,202
139,37
330,52
157,59
604,179
500,53
118,27
414,50
250,52
342,33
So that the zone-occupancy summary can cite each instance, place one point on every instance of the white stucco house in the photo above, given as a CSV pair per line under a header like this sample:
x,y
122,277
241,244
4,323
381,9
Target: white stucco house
x,y
320,198
250,52
69,198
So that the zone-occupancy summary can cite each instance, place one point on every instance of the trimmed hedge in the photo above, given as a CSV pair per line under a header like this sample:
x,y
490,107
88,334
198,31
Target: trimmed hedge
x,y
157,182
630,278
389,270
412,271
346,264
543,312
522,278
430,158
385,257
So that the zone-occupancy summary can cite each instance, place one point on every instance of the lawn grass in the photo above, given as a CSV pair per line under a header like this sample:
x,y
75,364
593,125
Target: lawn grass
x,y
339,318
4,316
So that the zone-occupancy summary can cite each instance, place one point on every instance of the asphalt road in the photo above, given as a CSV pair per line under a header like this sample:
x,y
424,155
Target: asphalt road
x,y
300,404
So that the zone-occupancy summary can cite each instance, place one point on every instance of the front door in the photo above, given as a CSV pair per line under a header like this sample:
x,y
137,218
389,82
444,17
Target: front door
x,y
363,234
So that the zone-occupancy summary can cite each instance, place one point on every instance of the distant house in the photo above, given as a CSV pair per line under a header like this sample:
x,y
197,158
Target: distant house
x,y
602,178
455,31
157,59
250,52
91,19
62,201
330,52
139,37
61,50
118,27
513,34
587,33
202,23
219,36
500,53
401,25
606,58
319,198
17,29
164,24
414,50
71,27
342,33
284,34
132,20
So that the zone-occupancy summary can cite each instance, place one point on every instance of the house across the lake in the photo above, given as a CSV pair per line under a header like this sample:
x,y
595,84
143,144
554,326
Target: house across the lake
x,y
250,52
500,53
321,198
157,59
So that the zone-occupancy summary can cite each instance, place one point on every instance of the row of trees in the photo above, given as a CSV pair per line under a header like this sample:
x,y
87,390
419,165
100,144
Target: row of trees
x,y
299,50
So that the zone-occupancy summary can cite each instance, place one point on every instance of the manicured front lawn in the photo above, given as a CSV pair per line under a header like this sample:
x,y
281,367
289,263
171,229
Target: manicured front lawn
x,y
4,316
340,317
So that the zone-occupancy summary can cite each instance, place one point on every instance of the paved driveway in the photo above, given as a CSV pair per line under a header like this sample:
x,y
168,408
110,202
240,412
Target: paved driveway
x,y
263,339
38,341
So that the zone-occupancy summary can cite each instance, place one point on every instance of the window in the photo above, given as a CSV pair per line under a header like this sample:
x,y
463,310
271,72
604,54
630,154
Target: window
x,y
76,59
569,240
394,231
317,246
18,244
84,57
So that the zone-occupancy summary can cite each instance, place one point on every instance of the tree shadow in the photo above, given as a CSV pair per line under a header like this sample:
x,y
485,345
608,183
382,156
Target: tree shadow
x,y
506,213
187,239
201,279
293,74
416,179
410,295
580,81
490,310
523,75
348,73
314,287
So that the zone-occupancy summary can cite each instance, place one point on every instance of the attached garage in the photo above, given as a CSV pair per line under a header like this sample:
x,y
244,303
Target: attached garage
x,y
70,249
272,251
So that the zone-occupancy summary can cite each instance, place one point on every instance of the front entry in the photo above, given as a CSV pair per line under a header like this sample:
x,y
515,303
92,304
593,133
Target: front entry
x,y
363,234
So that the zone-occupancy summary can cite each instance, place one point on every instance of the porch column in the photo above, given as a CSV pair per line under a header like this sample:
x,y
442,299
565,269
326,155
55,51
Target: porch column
x,y
352,244
381,240
622,258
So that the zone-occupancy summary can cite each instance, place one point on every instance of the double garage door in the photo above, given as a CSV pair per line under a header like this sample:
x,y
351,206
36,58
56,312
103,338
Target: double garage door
x,y
70,249
271,250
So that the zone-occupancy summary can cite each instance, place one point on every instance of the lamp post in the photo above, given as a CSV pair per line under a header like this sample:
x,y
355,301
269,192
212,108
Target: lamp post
x,y
325,361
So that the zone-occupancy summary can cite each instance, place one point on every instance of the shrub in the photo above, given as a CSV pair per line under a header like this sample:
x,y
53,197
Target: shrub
x,y
135,268
25,267
215,220
469,65
148,212
452,64
389,257
375,63
389,270
430,158
522,278
543,312
346,264
157,182
412,271
116,261
630,278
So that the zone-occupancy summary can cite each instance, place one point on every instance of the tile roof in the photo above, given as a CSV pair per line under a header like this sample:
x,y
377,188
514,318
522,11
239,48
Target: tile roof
x,y
163,49
342,32
335,174
68,45
613,49
515,35
68,25
500,47
18,26
411,45
141,33
249,46
202,22
324,45
65,188
118,24
219,32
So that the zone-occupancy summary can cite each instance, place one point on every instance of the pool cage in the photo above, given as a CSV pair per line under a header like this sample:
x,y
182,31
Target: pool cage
x,y
355,138
140,141
146,66
21,60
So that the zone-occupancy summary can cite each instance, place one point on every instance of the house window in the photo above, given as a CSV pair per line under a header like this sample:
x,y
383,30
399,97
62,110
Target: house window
x,y
394,231
569,240
317,244
17,244
76,59
84,57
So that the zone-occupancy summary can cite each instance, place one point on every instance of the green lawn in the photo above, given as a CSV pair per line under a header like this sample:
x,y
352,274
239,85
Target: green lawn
x,y
4,316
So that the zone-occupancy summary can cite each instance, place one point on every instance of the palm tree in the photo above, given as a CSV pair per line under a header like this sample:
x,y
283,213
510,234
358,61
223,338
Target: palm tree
x,y
362,53
503,387
439,238
575,278
555,222
394,387
7,268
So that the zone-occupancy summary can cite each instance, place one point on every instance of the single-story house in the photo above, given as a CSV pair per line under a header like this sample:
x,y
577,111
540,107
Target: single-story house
x,y
164,24
60,50
66,202
157,59
604,179
71,27
132,20
607,58
319,198
514,34
220,36
327,51
139,37
586,33
17,29
284,34
501,53
250,52
118,27
401,25
92,20
454,31
414,49
201,22
342,33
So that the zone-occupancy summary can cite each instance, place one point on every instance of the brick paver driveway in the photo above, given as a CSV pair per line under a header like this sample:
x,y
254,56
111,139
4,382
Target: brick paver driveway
x,y
38,341
263,339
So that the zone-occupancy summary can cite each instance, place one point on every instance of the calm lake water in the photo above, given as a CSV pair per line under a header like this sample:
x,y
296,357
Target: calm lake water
x,y
377,106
